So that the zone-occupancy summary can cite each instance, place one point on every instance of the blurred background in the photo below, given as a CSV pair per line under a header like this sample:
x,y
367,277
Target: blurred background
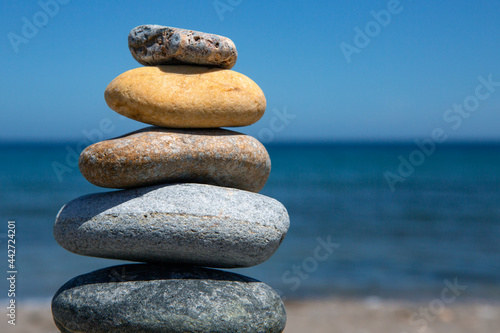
x,y
382,124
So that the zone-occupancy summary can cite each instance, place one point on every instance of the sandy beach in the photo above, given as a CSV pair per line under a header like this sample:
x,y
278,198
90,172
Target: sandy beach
x,y
370,315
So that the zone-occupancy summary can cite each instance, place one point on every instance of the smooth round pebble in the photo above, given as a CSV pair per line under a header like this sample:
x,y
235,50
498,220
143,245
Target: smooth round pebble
x,y
186,97
192,224
158,155
153,45
147,298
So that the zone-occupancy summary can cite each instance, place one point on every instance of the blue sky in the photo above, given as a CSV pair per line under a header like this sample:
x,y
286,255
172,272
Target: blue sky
x,y
399,84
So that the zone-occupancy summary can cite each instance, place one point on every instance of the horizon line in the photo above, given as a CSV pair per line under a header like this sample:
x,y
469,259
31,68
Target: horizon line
x,y
300,142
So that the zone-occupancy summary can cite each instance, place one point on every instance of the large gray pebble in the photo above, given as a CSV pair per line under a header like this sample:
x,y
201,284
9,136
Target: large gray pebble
x,y
147,298
194,224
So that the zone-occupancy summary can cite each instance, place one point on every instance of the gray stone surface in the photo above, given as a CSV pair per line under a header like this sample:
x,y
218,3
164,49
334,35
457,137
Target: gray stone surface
x,y
147,298
153,45
195,224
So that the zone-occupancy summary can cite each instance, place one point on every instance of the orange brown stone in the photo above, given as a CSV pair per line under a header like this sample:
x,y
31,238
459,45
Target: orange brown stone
x,y
158,155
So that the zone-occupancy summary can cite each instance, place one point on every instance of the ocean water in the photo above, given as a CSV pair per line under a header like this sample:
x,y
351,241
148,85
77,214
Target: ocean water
x,y
440,223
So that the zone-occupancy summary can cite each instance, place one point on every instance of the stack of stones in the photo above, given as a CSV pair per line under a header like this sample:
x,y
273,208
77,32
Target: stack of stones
x,y
187,201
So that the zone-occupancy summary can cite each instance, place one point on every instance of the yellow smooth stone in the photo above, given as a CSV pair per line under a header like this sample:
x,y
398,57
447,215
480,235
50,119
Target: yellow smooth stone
x,y
186,97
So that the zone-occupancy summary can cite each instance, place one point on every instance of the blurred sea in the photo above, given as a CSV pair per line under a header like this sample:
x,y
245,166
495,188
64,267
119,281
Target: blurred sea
x,y
441,223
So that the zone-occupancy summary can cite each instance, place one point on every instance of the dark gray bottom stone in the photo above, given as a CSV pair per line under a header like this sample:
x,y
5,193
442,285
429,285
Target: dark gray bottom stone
x,y
153,298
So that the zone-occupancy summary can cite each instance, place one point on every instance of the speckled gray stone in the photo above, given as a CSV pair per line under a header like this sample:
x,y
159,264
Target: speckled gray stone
x,y
147,298
183,223
154,45
156,155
